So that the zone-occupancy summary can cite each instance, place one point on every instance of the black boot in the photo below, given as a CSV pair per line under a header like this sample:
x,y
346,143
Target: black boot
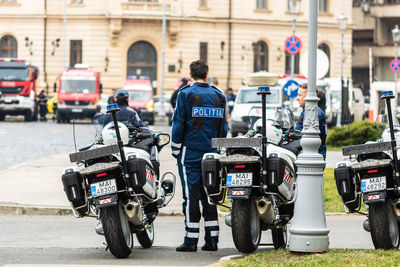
x,y
186,248
209,247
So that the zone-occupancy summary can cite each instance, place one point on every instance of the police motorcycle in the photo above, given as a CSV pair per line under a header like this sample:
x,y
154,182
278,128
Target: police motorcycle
x,y
118,182
257,173
374,178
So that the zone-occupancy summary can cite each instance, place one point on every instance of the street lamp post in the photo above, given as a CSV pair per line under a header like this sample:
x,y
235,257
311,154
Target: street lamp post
x,y
164,33
294,9
308,229
396,39
342,24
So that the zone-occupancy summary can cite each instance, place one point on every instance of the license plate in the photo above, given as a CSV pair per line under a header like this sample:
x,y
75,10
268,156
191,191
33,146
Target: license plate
x,y
373,184
239,179
103,188
77,110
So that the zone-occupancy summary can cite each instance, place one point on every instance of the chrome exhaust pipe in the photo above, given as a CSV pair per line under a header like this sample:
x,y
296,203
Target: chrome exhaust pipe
x,y
134,212
396,208
264,210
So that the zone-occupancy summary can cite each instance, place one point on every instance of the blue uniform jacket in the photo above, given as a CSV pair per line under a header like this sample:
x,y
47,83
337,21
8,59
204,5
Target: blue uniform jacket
x,y
126,115
322,129
199,116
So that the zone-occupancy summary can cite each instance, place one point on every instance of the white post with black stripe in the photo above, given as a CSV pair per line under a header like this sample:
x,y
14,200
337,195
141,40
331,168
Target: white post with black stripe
x,y
308,230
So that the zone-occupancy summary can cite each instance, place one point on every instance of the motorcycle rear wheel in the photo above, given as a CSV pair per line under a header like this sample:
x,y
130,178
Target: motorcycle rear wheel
x,y
246,228
117,231
146,237
384,225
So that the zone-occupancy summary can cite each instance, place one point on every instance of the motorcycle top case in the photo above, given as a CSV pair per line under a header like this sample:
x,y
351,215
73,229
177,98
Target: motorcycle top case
x,y
143,177
210,168
72,182
346,186
280,177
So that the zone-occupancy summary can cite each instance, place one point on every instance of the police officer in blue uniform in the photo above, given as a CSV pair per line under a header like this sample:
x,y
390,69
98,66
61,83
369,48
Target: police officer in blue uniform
x,y
126,114
199,116
321,117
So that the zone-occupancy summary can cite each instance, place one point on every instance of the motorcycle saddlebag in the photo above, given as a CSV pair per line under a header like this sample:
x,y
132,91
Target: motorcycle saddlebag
x,y
210,168
346,186
142,176
280,177
73,187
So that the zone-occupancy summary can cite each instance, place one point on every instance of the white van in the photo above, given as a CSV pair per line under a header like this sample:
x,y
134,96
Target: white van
x,y
247,103
377,105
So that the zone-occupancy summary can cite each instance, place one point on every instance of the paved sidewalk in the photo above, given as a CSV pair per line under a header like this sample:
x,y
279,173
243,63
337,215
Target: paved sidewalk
x,y
36,184
36,187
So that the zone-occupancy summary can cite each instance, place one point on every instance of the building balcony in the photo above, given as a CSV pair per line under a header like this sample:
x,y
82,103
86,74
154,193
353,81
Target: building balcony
x,y
386,11
383,51
145,9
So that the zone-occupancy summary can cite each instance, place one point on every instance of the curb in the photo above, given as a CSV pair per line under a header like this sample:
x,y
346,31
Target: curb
x,y
18,209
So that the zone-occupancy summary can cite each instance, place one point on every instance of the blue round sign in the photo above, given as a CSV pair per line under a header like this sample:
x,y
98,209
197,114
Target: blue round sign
x,y
293,44
291,88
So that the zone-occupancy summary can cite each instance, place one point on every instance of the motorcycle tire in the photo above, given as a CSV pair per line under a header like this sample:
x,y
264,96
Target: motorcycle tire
x,y
279,237
117,231
146,237
384,225
246,227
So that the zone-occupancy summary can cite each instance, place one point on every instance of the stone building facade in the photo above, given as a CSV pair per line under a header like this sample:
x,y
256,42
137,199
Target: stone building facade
x,y
121,37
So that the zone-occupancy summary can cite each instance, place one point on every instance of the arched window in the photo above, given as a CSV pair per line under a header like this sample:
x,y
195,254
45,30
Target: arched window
x,y
324,47
260,56
8,47
142,60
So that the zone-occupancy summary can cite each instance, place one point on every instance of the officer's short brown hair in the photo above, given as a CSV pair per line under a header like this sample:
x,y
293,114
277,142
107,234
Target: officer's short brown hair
x,y
199,69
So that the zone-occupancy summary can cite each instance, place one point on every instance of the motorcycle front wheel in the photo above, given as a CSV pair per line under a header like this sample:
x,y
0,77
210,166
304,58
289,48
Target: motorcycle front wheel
x,y
146,237
117,230
384,225
246,228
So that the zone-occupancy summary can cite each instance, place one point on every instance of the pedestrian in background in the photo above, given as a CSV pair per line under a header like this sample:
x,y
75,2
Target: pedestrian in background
x,y
321,117
230,98
183,82
42,103
199,116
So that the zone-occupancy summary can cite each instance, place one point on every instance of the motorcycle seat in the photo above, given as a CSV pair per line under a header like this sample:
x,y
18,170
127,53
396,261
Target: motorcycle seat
x,y
293,146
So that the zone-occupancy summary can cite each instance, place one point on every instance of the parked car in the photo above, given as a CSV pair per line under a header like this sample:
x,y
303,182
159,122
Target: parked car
x,y
248,105
168,110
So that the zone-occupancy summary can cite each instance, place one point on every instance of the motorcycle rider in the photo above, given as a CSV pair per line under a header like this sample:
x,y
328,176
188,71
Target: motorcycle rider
x,y
126,113
321,117
199,116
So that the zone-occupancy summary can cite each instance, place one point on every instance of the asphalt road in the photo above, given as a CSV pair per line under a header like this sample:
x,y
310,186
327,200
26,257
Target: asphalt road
x,y
61,240
23,141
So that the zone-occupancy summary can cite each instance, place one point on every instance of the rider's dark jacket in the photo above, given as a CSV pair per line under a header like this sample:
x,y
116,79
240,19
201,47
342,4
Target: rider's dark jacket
x,y
127,115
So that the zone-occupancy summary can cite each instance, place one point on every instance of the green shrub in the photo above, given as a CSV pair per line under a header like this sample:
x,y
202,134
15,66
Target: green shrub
x,y
353,134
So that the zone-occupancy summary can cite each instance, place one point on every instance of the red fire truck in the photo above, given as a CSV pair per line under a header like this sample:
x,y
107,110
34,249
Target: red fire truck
x,y
79,91
18,88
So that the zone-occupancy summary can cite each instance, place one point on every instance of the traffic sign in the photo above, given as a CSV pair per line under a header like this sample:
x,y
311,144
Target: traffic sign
x,y
291,88
395,65
293,44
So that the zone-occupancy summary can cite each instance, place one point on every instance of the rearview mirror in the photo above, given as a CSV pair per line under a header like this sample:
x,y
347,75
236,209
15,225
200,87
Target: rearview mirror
x,y
163,139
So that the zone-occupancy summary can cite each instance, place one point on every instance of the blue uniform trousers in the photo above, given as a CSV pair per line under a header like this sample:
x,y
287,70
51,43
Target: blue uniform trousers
x,y
189,165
